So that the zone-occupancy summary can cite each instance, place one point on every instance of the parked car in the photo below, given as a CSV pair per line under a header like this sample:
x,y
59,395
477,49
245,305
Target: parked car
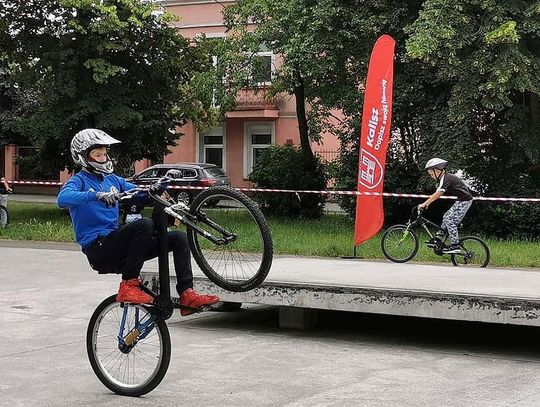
x,y
186,174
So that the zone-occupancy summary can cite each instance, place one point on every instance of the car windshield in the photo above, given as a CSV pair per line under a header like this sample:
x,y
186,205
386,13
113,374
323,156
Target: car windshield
x,y
214,172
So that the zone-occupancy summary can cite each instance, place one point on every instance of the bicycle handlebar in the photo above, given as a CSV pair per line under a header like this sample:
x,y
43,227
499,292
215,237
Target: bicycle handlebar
x,y
122,196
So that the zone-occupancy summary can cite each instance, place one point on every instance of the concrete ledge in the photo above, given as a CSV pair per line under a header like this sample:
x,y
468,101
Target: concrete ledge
x,y
440,305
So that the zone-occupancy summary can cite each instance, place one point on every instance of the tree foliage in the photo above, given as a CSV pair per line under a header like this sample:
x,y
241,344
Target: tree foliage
x,y
112,64
487,54
319,43
467,81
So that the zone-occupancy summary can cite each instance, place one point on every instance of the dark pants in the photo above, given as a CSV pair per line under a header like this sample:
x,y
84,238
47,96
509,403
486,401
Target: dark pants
x,y
127,248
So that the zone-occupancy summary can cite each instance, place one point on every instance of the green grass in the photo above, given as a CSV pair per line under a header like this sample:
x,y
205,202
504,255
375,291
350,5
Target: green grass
x,y
37,221
330,236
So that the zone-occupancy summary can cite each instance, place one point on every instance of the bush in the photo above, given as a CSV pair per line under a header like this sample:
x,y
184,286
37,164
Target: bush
x,y
285,167
505,220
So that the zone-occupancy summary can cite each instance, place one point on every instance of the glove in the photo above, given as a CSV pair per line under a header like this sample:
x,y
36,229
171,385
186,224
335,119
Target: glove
x,y
158,188
108,198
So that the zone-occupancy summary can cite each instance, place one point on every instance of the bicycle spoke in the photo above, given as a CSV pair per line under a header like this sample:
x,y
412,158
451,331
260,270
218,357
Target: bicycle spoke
x,y
140,364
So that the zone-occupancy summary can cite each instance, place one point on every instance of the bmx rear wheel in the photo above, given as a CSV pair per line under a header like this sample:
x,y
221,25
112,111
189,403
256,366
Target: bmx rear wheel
x,y
243,262
474,253
132,370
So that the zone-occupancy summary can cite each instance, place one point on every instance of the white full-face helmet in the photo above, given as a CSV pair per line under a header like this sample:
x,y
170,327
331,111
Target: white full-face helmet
x,y
85,141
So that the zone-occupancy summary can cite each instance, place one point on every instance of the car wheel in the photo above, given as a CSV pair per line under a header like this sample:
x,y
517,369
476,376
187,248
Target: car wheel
x,y
183,196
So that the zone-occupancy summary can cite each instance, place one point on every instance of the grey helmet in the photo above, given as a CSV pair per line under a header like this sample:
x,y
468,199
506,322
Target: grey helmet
x,y
86,140
438,163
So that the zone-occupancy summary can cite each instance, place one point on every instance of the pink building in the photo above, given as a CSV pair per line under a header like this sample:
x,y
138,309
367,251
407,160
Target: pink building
x,y
256,123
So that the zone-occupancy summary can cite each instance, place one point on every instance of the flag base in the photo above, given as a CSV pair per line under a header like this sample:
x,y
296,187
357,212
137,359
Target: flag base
x,y
354,256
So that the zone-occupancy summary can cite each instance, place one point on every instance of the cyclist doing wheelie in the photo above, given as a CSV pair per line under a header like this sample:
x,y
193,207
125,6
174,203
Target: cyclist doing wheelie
x,y
91,196
448,184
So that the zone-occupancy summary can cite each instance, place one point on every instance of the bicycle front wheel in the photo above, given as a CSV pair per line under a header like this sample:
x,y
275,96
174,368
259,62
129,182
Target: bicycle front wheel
x,y
4,217
127,359
474,253
242,259
399,244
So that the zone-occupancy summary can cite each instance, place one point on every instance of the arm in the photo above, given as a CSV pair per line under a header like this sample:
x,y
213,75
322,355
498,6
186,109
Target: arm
x,y
6,185
71,194
436,195
125,185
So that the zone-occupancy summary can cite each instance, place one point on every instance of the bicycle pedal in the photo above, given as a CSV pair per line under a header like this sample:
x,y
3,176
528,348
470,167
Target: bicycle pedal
x,y
213,307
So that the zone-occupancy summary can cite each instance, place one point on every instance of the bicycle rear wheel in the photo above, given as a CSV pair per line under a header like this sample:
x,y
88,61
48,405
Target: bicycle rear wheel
x,y
243,262
474,253
399,244
4,217
137,362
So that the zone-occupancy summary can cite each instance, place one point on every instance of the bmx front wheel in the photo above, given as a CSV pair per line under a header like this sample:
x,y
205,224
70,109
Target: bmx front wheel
x,y
399,244
474,253
127,363
242,260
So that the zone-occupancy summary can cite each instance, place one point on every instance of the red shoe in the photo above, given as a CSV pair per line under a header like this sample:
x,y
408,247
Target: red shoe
x,y
129,291
192,299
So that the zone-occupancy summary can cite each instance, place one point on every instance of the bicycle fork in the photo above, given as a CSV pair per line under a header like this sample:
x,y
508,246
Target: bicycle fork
x,y
140,330
405,234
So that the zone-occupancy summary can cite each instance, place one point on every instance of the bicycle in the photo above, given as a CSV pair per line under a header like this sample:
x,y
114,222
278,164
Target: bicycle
x,y
400,243
129,345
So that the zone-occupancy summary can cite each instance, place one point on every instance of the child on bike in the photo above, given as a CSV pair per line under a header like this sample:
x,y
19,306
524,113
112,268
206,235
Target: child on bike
x,y
452,185
91,196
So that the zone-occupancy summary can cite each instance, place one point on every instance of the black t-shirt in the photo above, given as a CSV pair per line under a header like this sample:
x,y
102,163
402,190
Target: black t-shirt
x,y
452,185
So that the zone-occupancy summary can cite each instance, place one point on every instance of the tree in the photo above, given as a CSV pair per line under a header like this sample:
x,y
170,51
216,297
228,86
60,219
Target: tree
x,y
317,41
111,64
488,55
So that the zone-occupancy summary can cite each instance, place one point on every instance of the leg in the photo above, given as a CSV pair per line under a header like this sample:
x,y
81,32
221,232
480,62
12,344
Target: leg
x,y
178,244
459,214
129,243
453,217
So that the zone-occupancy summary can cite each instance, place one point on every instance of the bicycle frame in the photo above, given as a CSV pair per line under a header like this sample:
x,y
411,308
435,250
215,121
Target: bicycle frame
x,y
191,221
423,222
163,305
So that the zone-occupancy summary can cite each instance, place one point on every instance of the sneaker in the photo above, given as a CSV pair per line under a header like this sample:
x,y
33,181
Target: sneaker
x,y
194,300
452,249
129,291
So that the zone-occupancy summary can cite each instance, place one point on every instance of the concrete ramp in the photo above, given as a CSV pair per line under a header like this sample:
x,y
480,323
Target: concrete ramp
x,y
299,285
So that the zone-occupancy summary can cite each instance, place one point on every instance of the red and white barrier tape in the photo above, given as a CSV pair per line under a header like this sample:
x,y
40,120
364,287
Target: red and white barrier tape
x,y
351,193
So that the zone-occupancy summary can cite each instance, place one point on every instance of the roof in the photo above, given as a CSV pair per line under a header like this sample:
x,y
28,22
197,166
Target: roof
x,y
183,165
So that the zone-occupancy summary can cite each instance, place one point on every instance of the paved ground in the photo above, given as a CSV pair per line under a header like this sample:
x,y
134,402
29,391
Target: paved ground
x,y
243,359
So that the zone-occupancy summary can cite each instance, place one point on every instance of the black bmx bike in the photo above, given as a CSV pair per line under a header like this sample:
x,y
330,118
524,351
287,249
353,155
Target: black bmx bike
x,y
128,345
400,243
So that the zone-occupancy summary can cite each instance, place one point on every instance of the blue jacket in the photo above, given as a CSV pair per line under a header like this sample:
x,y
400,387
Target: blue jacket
x,y
91,218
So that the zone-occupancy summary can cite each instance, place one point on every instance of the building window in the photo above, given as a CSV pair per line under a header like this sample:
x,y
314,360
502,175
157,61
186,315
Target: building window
x,y
258,137
212,147
262,68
